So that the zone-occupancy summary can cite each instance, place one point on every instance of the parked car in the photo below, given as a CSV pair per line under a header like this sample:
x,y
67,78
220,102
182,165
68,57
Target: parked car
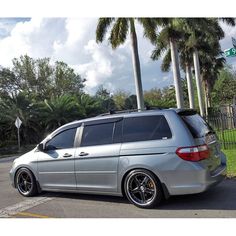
x,y
146,156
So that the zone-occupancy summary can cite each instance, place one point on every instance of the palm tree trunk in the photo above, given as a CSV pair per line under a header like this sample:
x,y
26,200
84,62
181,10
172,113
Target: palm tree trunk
x,y
136,66
205,96
190,86
208,91
176,74
198,81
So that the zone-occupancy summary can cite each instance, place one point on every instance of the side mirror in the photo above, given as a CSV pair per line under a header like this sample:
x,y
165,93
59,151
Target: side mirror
x,y
50,148
40,147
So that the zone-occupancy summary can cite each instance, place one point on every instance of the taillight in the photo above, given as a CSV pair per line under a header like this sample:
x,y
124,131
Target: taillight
x,y
194,153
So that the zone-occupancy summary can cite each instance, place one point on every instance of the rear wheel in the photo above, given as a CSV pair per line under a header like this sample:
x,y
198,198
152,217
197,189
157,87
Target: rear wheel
x,y
26,183
143,189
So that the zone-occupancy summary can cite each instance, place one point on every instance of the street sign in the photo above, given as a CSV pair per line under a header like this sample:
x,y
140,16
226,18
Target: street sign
x,y
230,52
234,42
18,122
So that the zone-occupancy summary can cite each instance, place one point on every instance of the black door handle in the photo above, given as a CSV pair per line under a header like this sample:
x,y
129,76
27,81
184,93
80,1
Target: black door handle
x,y
67,155
82,154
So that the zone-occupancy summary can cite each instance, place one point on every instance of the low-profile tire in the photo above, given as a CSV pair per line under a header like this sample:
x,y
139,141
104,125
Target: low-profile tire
x,y
143,189
26,182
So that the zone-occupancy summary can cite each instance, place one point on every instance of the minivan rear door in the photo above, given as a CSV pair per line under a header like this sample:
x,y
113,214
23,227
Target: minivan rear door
x,y
96,158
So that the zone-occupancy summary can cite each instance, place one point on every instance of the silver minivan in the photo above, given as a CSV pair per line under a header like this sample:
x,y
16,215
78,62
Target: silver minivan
x,y
146,156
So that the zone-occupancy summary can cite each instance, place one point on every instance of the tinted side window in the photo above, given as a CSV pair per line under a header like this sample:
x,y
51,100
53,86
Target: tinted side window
x,y
63,140
145,128
98,134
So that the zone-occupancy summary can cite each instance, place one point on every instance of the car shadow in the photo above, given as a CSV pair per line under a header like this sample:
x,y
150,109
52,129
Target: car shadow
x,y
221,197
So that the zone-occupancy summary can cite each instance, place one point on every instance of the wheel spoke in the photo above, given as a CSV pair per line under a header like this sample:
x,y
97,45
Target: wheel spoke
x,y
23,178
150,191
136,181
28,178
21,184
145,181
28,186
24,187
142,196
135,190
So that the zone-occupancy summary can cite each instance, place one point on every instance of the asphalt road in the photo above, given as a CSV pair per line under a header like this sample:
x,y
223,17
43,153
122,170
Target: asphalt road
x,y
216,202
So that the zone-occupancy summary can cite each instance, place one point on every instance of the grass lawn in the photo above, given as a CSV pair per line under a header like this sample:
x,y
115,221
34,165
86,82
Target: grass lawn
x,y
231,162
228,138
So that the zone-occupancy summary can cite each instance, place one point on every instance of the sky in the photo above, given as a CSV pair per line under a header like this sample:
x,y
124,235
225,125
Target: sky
x,y
72,40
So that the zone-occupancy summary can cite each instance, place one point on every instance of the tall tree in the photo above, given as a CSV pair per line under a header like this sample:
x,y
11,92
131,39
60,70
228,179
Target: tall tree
x,y
40,79
120,27
167,41
66,80
224,88
105,99
204,35
119,98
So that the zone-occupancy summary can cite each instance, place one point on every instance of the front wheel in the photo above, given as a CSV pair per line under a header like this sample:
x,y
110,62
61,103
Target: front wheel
x,y
143,189
26,183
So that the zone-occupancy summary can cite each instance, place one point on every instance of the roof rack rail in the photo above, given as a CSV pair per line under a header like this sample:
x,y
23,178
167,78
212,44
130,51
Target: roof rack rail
x,y
113,112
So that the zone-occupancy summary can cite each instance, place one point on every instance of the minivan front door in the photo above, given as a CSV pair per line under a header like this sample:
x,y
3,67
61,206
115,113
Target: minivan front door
x,y
56,163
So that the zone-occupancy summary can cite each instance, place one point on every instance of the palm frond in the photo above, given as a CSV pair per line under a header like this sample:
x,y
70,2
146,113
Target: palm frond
x,y
228,21
102,27
149,27
119,32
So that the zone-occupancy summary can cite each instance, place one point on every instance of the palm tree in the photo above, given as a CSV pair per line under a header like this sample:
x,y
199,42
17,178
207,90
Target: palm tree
x,y
89,105
59,111
202,32
211,64
167,42
119,29
19,106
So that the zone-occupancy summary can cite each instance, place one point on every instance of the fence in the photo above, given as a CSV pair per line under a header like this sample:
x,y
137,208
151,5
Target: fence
x,y
225,127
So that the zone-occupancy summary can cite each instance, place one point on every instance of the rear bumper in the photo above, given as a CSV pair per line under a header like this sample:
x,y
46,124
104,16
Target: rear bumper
x,y
199,180
198,187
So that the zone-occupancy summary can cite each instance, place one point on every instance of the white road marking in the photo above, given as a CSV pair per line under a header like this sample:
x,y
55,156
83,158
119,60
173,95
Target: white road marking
x,y
22,206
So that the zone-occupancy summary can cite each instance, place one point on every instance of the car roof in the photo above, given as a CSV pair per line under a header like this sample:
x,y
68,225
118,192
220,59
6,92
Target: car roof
x,y
120,114
130,113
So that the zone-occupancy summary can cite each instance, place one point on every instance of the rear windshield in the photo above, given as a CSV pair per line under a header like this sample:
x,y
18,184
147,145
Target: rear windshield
x,y
197,126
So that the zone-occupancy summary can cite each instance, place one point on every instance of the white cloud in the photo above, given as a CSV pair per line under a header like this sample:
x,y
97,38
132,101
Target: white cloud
x,y
72,40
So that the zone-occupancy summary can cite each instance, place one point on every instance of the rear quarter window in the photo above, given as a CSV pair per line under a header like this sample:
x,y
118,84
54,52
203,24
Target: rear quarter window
x,y
145,128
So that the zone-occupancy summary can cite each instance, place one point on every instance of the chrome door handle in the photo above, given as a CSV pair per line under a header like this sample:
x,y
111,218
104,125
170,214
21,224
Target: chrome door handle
x,y
82,154
67,155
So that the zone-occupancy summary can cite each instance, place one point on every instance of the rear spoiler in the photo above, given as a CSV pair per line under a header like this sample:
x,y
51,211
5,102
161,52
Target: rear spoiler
x,y
186,112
